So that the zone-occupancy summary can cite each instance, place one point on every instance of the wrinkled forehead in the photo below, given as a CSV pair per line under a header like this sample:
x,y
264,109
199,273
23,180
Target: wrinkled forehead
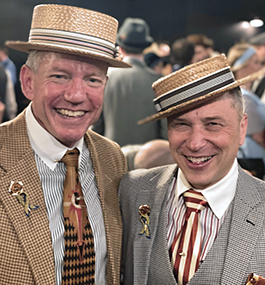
x,y
53,56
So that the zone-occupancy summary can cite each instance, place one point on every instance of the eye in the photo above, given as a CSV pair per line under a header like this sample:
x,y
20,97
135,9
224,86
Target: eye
x,y
94,82
213,126
59,78
179,125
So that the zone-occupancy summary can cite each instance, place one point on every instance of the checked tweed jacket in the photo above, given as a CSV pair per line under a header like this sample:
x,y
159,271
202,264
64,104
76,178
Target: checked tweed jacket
x,y
238,250
26,255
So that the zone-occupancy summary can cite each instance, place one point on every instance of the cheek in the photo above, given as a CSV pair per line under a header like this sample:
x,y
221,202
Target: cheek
x,y
174,141
97,99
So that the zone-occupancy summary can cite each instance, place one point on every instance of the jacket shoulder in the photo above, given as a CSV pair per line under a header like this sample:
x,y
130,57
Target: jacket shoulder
x,y
105,150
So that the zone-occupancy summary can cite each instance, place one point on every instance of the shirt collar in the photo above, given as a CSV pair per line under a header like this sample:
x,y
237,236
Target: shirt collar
x,y
219,195
47,147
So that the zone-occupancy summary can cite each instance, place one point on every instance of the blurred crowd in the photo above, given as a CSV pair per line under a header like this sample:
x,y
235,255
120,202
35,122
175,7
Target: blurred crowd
x,y
129,92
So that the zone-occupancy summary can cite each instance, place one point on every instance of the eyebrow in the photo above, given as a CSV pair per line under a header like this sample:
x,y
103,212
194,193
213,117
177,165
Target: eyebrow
x,y
206,119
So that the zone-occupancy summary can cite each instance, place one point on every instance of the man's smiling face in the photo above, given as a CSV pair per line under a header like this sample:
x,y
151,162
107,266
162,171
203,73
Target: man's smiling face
x,y
204,142
66,93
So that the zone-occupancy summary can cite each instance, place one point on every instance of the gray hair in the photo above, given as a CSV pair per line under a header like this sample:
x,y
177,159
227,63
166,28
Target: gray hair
x,y
34,58
238,101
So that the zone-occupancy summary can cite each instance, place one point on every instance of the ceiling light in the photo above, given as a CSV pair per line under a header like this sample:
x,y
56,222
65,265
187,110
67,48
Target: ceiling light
x,y
245,25
256,22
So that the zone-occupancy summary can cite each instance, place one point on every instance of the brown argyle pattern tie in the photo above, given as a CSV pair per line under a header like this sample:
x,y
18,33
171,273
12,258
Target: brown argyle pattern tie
x,y
185,250
79,255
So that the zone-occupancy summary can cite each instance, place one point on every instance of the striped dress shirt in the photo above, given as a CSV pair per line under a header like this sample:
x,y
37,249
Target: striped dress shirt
x,y
48,151
218,196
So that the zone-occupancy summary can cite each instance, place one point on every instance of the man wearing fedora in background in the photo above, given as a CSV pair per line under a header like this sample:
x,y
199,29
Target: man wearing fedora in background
x,y
202,222
128,92
60,217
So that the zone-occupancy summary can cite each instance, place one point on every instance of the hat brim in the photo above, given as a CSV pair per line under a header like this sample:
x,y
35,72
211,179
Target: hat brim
x,y
184,107
27,47
132,46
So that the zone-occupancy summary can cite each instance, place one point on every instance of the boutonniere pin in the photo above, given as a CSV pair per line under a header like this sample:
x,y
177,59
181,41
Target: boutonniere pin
x,y
144,211
255,279
16,189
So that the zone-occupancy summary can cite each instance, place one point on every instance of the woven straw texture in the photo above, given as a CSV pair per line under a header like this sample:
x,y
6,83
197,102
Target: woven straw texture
x,y
74,19
69,23
189,74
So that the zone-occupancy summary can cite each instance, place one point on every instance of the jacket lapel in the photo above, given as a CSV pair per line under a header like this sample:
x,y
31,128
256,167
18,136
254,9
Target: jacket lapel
x,y
107,179
153,194
33,231
247,221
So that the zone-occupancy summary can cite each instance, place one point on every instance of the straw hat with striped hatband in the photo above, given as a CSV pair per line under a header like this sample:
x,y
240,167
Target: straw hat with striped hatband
x,y
73,30
193,86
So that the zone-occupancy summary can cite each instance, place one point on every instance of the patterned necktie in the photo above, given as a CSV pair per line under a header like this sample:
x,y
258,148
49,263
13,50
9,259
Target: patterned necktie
x,y
186,247
79,254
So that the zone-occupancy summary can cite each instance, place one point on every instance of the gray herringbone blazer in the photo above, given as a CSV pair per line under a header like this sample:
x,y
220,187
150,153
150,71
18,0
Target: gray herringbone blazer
x,y
26,254
238,250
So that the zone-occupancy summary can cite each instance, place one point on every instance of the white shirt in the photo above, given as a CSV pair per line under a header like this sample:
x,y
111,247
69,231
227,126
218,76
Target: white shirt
x,y
48,151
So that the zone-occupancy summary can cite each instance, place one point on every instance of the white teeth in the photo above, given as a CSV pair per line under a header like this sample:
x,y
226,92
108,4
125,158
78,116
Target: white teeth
x,y
71,113
198,159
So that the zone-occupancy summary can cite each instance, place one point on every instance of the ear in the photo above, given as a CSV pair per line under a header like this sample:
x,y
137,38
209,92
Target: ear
x,y
243,128
26,79
107,78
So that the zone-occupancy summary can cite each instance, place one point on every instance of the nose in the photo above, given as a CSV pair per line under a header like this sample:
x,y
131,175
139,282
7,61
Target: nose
x,y
196,139
75,92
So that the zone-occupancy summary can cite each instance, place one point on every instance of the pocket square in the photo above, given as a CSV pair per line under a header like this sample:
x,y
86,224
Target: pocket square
x,y
254,279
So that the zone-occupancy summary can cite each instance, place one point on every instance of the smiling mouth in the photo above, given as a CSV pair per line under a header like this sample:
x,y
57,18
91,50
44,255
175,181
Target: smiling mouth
x,y
198,160
72,114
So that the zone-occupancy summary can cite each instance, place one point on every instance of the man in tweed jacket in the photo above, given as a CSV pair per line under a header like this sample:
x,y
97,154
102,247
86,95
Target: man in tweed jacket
x,y
65,83
206,126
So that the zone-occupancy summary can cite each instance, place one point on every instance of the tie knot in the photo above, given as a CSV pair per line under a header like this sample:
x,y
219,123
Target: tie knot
x,y
195,201
71,158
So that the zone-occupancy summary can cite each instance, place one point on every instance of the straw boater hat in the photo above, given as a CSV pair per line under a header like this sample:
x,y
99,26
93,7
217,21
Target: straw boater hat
x,y
73,30
194,85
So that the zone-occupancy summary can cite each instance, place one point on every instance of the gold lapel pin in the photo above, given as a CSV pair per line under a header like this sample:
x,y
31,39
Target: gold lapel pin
x,y
16,189
144,211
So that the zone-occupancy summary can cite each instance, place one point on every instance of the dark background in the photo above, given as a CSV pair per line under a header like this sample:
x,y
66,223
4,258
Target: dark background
x,y
168,19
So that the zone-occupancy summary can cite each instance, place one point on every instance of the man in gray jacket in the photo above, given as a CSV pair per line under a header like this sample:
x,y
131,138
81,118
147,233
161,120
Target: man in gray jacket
x,y
201,222
128,93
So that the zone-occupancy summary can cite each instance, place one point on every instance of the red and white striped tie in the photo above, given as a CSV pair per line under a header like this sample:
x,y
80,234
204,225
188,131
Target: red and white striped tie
x,y
186,247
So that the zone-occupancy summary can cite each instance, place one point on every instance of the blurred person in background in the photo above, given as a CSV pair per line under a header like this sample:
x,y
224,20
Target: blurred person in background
x,y
157,63
8,63
203,47
151,154
182,52
7,95
3,82
128,92
258,42
244,61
